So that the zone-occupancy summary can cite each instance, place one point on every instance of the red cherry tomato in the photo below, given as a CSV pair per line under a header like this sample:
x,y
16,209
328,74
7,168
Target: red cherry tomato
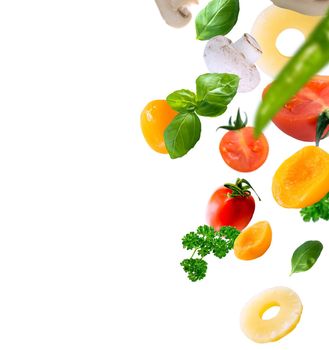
x,y
227,208
242,151
299,116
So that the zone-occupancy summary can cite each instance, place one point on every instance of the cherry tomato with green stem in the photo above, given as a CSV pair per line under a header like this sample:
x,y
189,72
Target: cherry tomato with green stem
x,y
232,205
240,149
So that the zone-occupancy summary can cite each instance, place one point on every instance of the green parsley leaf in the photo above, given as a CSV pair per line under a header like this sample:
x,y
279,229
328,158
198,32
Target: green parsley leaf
x,y
204,242
195,268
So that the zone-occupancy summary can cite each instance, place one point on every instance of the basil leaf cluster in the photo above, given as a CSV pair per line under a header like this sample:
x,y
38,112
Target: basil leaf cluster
x,y
217,18
214,91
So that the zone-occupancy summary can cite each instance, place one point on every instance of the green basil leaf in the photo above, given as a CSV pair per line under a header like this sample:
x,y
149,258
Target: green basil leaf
x,y
182,134
182,100
305,256
214,92
217,18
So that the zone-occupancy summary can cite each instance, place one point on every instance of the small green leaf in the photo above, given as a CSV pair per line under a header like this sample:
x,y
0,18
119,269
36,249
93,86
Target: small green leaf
x,y
214,92
182,101
305,256
217,18
182,134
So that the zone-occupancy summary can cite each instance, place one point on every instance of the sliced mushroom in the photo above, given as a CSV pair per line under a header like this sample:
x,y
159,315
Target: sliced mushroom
x,y
307,7
175,12
222,56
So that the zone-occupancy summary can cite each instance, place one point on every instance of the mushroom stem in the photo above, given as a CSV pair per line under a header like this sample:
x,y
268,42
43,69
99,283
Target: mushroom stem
x,y
249,47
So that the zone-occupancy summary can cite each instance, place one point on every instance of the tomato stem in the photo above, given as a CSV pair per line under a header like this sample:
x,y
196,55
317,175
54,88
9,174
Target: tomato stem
x,y
241,189
321,125
237,124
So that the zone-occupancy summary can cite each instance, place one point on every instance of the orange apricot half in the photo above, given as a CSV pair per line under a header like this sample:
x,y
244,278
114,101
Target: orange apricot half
x,y
302,179
155,118
254,241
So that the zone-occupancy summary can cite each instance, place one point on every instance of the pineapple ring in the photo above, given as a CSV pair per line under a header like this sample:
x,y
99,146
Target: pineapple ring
x,y
269,25
264,331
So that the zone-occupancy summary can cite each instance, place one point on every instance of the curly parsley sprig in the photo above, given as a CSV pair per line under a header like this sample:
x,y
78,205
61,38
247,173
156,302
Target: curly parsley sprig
x,y
204,242
317,211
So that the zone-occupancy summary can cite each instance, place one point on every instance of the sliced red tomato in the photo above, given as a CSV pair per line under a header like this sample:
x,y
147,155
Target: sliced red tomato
x,y
241,151
298,118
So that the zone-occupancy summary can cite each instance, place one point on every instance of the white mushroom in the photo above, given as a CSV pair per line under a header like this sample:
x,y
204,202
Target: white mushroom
x,y
175,12
222,56
307,7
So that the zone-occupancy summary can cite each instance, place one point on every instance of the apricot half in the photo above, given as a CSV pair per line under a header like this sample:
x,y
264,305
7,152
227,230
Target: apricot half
x,y
302,179
254,241
155,118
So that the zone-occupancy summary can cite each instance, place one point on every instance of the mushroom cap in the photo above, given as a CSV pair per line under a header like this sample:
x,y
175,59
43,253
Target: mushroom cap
x,y
175,12
222,57
307,7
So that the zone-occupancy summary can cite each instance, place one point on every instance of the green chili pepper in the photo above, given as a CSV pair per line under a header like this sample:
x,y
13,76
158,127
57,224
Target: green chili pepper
x,y
309,59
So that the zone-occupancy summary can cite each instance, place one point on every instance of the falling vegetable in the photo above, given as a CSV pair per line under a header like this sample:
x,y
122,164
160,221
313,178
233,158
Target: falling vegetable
x,y
203,242
304,117
223,56
317,211
231,205
267,29
176,13
308,7
305,256
254,241
309,59
240,149
155,118
302,179
217,18
213,94
261,330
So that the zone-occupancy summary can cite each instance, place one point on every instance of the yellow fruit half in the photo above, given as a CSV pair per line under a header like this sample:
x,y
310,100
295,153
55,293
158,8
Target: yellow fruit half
x,y
302,179
263,331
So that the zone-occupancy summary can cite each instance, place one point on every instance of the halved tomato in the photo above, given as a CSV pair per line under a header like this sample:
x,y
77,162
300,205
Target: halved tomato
x,y
298,117
242,151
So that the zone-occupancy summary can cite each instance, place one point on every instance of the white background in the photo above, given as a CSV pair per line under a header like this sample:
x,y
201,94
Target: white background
x,y
91,218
